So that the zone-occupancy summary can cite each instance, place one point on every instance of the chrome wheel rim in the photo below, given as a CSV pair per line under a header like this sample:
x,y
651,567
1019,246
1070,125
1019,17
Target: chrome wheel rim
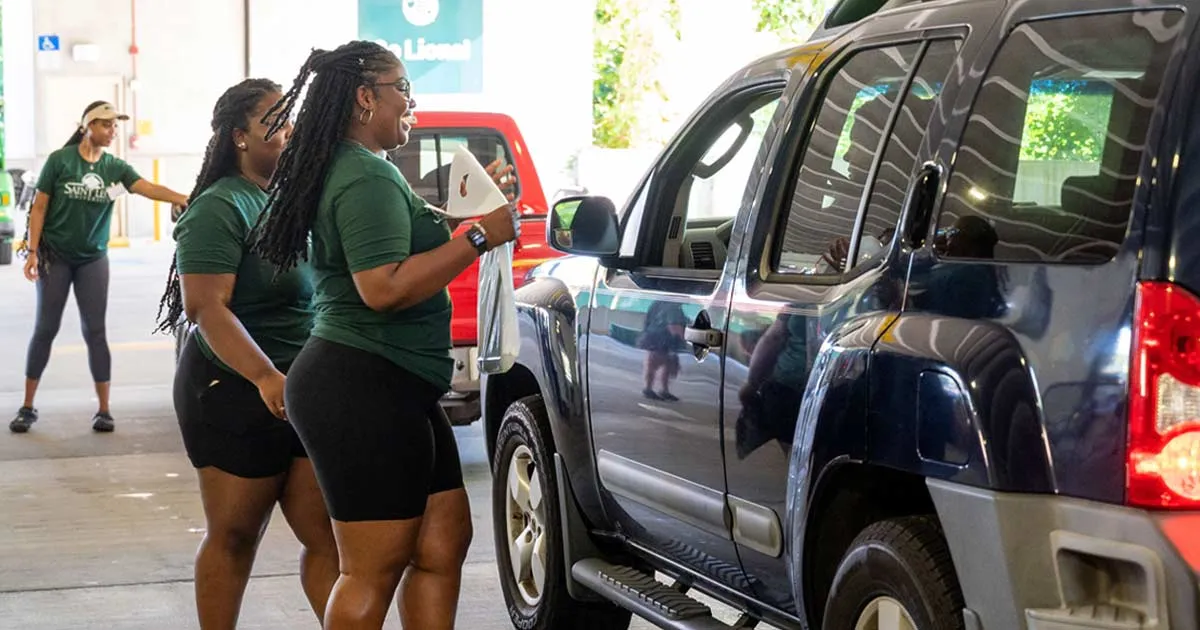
x,y
525,517
885,613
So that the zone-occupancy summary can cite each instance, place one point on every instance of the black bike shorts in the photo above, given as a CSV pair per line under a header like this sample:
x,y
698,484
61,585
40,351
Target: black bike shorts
x,y
379,441
225,423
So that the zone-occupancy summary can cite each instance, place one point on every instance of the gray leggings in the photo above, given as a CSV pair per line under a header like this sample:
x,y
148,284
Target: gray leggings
x,y
91,294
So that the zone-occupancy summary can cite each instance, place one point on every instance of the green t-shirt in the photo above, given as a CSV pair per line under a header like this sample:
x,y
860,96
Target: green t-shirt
x,y
80,211
214,237
367,217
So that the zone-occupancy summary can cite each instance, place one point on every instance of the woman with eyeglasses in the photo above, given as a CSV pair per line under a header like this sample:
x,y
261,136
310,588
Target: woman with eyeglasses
x,y
67,246
363,393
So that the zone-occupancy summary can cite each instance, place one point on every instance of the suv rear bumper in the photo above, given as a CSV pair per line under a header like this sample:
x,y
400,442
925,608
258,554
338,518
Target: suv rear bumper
x,y
461,403
1053,563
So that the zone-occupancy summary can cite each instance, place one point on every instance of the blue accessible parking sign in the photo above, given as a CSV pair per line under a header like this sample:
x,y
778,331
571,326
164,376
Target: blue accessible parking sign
x,y
48,43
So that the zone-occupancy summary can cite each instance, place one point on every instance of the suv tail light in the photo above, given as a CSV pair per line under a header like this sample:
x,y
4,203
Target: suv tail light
x,y
1163,468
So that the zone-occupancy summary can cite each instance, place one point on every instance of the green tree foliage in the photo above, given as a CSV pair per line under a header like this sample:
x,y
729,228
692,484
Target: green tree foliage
x,y
790,20
627,32
628,36
1065,121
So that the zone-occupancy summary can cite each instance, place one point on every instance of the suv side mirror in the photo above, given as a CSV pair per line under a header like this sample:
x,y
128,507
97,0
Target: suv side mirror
x,y
584,225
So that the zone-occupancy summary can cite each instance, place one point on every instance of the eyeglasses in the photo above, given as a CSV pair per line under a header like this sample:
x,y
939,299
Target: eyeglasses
x,y
402,84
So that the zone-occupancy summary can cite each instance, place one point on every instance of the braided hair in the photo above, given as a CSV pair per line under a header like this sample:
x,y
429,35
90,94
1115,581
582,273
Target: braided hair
x,y
320,127
80,132
231,112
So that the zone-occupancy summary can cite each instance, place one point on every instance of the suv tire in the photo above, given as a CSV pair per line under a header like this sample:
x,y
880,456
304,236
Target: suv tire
x,y
899,563
538,600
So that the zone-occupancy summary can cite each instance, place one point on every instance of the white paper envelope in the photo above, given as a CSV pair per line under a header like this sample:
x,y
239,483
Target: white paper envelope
x,y
470,191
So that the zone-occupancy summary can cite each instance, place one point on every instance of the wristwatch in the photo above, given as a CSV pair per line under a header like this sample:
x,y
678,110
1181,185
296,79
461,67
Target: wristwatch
x,y
477,236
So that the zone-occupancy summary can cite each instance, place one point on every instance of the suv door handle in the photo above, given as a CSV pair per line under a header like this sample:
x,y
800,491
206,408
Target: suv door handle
x,y
703,337
920,204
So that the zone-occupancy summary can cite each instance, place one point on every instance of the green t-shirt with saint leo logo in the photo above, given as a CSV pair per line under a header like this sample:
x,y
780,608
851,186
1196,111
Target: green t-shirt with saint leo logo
x,y
81,202
214,236
368,216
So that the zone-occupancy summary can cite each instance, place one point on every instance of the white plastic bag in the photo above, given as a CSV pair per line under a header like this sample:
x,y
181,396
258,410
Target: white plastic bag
x,y
499,341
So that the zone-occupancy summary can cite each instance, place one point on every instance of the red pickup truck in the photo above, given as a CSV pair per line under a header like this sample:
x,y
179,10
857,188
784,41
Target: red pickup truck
x,y
425,163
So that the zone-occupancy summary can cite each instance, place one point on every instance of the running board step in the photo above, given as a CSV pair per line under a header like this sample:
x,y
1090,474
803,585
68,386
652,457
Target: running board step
x,y
648,598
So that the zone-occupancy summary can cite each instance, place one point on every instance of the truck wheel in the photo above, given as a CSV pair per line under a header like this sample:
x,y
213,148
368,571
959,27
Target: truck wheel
x,y
897,575
6,253
527,525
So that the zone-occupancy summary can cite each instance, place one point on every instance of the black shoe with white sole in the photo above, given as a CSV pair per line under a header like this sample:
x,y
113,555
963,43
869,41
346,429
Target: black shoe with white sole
x,y
26,416
103,423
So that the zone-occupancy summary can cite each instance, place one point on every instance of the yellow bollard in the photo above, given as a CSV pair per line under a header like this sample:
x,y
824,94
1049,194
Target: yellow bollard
x,y
157,209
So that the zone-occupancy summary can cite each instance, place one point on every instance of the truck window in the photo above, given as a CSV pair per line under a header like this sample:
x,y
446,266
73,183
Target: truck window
x,y
425,160
1050,157
841,148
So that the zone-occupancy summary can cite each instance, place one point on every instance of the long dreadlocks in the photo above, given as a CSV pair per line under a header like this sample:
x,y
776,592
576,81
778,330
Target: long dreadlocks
x,y
231,112
321,125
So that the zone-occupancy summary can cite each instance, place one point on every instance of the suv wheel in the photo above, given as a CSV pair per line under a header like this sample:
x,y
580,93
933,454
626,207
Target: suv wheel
x,y
897,575
526,521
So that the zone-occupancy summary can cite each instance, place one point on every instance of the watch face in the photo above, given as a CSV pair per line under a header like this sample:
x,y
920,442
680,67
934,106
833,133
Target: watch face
x,y
476,237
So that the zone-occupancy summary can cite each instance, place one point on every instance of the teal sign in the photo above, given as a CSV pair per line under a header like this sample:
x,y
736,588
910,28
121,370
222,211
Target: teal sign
x,y
439,41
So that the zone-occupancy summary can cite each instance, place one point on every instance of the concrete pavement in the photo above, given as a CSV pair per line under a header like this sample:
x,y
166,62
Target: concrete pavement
x,y
99,531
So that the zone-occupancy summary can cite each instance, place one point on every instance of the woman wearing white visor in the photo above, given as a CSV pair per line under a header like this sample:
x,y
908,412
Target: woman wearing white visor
x,y
67,245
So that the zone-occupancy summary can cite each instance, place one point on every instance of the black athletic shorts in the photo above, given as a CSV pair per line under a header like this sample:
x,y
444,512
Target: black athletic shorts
x,y
226,424
379,441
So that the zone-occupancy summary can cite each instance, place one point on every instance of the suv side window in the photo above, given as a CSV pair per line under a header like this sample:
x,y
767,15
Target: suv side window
x,y
837,160
711,193
890,188
425,160
1049,160
717,193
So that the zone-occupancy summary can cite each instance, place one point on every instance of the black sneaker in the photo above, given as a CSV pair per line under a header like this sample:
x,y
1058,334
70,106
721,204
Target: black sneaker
x,y
26,416
103,423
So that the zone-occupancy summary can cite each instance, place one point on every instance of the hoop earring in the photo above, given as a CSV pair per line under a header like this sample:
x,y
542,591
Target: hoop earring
x,y
369,114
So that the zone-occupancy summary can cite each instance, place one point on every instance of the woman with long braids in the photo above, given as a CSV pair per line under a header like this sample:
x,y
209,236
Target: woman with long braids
x,y
363,394
67,246
230,377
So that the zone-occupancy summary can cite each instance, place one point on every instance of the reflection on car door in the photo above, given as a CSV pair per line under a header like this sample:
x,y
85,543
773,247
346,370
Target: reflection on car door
x,y
654,360
830,282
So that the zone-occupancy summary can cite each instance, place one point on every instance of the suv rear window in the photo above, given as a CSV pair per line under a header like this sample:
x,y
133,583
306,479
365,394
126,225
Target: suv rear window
x,y
1049,161
425,160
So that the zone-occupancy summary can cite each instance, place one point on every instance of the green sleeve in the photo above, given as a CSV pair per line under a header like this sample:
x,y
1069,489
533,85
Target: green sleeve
x,y
374,219
210,237
127,175
49,175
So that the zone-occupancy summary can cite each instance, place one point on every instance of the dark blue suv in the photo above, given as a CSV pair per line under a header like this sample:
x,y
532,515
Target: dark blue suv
x,y
900,331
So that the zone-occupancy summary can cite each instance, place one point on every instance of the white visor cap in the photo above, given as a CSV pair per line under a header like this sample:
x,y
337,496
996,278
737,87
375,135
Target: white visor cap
x,y
103,111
